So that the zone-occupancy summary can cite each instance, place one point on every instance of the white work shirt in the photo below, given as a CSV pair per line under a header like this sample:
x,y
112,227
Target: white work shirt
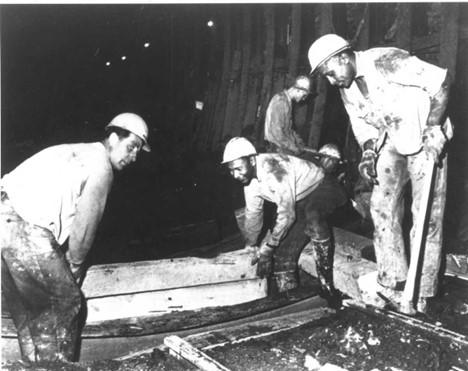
x,y
400,89
46,189
281,179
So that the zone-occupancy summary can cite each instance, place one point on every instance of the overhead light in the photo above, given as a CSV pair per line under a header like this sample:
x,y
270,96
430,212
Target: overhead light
x,y
210,23
146,45
123,57
108,64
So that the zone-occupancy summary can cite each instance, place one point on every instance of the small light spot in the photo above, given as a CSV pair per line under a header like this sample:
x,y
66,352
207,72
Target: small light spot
x,y
210,23
124,57
146,45
108,64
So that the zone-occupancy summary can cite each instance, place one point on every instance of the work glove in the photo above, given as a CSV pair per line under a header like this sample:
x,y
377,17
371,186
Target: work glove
x,y
367,166
433,141
264,260
77,272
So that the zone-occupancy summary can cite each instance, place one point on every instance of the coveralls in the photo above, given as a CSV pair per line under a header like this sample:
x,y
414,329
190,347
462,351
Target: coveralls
x,y
55,195
278,126
392,113
305,197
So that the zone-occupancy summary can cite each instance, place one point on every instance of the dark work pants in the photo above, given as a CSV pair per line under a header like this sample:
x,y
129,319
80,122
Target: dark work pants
x,y
38,288
311,223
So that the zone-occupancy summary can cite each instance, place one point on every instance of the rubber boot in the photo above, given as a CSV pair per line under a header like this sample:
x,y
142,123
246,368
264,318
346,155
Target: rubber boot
x,y
323,251
285,281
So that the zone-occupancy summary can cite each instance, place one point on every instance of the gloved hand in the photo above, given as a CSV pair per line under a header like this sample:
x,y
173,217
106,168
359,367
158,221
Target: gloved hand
x,y
264,260
433,141
367,166
77,272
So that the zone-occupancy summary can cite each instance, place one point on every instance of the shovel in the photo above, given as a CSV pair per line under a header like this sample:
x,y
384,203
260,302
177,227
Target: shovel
x,y
407,305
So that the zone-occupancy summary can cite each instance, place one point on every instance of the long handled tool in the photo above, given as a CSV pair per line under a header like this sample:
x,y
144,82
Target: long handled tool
x,y
406,305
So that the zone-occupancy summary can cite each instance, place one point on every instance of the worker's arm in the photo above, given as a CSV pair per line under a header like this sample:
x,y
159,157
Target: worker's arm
x,y
285,200
253,213
89,211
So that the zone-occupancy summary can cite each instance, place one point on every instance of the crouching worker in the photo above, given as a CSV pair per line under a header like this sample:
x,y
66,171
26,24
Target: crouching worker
x,y
57,194
304,196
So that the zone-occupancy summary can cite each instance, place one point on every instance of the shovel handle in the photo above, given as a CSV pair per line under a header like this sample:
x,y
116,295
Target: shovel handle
x,y
408,293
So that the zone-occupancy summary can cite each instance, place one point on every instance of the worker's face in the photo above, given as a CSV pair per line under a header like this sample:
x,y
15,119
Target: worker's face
x,y
242,169
339,71
300,95
122,152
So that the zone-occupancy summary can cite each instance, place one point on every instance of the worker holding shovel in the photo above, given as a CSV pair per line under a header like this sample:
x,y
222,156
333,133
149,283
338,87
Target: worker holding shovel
x,y
397,108
57,195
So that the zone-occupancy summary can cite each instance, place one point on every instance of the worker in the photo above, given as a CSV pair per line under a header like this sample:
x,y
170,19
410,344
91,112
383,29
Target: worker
x,y
397,108
56,195
279,133
304,197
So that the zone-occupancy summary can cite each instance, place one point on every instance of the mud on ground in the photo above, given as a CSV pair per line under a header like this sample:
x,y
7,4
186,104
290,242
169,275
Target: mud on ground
x,y
351,340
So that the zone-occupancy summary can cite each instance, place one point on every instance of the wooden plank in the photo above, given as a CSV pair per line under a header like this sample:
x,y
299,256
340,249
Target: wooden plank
x,y
121,278
195,356
256,329
165,301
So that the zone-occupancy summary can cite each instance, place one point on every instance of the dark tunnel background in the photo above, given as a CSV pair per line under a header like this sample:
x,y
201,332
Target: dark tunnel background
x,y
57,88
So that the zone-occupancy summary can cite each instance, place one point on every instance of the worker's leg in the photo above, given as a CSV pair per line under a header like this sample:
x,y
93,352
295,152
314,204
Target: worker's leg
x,y
285,275
387,208
11,300
39,279
433,239
320,204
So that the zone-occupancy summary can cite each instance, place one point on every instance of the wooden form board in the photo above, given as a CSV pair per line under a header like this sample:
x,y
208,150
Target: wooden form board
x,y
154,303
124,278
181,348
256,329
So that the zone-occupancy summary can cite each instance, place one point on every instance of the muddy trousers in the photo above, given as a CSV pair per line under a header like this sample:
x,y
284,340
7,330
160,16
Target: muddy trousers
x,y
311,225
38,289
394,172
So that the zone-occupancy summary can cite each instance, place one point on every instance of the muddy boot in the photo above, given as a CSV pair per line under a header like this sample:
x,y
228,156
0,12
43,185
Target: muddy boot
x,y
285,281
323,251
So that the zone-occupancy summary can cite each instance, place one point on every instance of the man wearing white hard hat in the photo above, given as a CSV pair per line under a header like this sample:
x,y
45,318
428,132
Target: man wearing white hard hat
x,y
279,132
397,108
56,195
304,197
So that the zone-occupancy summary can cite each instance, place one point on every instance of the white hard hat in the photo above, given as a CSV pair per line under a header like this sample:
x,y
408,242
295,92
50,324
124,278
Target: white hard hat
x,y
134,124
302,83
331,150
236,148
325,47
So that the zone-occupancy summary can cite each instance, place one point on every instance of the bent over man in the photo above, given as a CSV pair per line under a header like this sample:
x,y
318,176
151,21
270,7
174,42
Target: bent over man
x,y
396,104
279,132
58,194
304,196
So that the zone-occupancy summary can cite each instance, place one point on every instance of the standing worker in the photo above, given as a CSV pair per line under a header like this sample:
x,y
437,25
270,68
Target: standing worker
x,y
279,131
304,196
397,107
57,194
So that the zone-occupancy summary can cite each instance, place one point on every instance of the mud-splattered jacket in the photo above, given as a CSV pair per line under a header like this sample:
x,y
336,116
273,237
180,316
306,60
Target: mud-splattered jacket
x,y
281,179
400,87
278,125
63,189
